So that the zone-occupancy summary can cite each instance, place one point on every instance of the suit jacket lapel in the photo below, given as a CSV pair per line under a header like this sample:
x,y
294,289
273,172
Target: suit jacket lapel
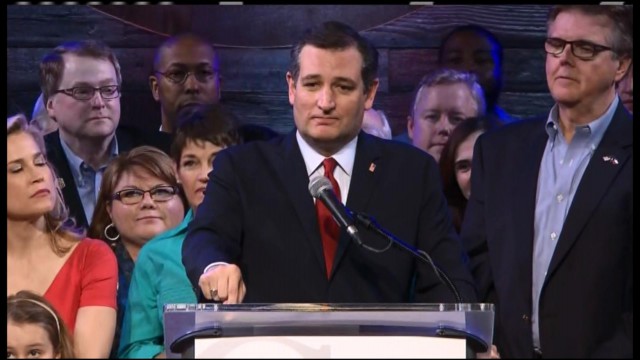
x,y
124,139
363,181
616,143
292,173
70,190
524,199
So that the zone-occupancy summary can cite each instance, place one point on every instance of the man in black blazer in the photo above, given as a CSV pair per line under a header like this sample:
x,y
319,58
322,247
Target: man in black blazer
x,y
127,137
80,83
256,237
549,225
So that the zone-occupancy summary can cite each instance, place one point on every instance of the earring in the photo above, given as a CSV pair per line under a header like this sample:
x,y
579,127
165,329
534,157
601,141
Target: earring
x,y
111,238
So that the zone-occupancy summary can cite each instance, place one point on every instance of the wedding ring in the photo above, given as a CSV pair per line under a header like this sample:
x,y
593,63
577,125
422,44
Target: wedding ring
x,y
214,293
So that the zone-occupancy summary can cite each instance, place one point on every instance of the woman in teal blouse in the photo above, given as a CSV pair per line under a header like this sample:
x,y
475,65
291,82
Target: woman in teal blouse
x,y
159,277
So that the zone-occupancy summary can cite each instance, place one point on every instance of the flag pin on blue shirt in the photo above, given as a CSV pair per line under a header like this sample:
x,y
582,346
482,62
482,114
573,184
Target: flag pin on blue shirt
x,y
372,167
610,159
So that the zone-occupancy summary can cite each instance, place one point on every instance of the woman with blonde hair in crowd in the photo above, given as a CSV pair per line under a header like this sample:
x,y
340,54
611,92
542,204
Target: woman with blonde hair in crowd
x,y
45,255
35,329
139,198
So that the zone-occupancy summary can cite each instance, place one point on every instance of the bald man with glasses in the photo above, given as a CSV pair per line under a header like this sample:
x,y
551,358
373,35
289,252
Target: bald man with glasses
x,y
185,73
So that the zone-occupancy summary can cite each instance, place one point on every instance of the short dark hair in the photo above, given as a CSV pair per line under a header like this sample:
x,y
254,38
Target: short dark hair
x,y
208,122
52,65
337,35
179,37
472,28
621,17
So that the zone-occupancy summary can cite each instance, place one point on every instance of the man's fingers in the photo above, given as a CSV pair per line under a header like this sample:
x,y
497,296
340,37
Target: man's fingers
x,y
208,286
226,286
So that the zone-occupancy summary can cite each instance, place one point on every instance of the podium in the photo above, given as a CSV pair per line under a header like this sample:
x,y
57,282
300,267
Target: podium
x,y
327,330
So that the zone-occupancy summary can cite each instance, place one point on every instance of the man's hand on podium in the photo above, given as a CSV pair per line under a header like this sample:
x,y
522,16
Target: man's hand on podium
x,y
223,283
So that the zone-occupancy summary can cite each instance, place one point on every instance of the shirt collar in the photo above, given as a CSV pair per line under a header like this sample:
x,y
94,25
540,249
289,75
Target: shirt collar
x,y
312,159
75,162
597,127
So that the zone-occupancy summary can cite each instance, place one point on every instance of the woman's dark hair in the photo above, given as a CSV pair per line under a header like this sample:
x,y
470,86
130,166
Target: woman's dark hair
x,y
456,200
212,122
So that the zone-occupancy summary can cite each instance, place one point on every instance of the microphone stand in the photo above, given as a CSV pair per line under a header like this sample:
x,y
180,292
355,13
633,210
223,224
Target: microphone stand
x,y
474,344
370,223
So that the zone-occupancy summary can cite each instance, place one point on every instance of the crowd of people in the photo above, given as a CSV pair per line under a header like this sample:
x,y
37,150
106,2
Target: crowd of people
x,y
107,223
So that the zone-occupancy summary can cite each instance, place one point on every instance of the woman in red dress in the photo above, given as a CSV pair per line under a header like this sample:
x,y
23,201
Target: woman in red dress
x,y
77,275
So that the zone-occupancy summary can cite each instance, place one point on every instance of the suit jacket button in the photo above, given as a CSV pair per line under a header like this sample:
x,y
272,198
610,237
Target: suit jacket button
x,y
525,317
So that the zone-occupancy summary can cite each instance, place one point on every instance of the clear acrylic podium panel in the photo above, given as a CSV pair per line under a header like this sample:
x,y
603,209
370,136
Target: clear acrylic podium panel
x,y
186,322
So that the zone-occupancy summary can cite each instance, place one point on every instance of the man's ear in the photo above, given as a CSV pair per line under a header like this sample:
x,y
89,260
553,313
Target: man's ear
x,y
410,127
291,84
50,110
624,63
153,85
371,94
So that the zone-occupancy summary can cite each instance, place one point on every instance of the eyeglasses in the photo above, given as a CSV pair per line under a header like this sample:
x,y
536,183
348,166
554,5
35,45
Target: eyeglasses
x,y
582,49
180,76
134,196
84,93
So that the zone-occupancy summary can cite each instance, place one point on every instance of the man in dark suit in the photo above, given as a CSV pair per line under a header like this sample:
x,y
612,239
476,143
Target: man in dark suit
x,y
258,232
548,226
80,83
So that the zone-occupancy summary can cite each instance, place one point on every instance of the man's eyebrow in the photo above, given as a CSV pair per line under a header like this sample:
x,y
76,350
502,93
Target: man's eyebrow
x,y
310,77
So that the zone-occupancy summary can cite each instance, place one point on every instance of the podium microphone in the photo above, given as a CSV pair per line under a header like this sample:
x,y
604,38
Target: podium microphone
x,y
320,188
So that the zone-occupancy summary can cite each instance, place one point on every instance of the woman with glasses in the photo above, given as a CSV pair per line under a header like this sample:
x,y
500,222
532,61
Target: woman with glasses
x,y
159,277
46,255
139,198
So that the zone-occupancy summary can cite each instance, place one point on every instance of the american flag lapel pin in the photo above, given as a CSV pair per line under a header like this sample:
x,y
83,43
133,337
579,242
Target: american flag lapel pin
x,y
610,159
372,167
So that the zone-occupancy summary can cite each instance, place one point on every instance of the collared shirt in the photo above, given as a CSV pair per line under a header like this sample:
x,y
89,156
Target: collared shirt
x,y
561,170
86,178
345,158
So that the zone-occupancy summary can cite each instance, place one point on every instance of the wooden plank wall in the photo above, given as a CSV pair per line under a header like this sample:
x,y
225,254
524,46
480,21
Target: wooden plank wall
x,y
253,76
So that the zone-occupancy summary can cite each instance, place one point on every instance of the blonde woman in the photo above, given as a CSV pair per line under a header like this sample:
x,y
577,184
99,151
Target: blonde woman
x,y
77,275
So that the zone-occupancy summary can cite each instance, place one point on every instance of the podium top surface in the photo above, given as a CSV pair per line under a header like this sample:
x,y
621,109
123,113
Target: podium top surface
x,y
316,307
185,322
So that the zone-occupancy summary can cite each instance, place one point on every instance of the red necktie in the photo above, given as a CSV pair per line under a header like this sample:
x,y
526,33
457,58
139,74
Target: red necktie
x,y
329,229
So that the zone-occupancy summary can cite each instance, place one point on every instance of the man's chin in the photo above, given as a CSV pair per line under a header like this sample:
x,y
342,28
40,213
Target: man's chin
x,y
189,105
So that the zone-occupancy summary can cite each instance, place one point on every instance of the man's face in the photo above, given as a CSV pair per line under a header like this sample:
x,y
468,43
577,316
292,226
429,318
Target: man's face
x,y
472,52
201,86
438,110
96,117
573,81
328,97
